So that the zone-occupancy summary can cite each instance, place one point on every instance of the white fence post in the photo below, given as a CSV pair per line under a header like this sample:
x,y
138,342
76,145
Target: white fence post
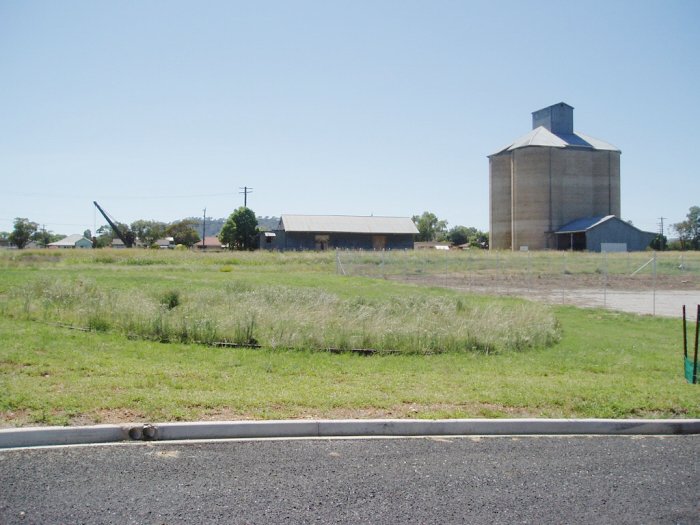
x,y
654,288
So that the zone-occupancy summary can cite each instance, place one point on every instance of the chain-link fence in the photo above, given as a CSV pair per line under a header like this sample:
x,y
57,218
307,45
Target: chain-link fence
x,y
655,283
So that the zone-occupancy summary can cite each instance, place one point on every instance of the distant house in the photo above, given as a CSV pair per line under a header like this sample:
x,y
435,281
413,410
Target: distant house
x,y
211,244
166,243
118,244
329,232
595,234
72,241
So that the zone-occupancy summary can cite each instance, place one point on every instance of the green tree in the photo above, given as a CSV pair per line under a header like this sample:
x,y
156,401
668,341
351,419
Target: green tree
x,y
105,235
148,232
430,228
128,234
689,229
461,234
183,232
240,231
660,243
479,240
45,237
23,231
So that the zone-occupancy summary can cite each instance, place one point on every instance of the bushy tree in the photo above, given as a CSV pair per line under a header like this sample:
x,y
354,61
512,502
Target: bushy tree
x,y
103,236
45,237
148,232
461,234
23,231
660,243
479,240
128,234
430,228
240,231
183,232
689,229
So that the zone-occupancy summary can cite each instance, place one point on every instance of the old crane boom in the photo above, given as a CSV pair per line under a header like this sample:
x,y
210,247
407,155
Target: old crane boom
x,y
126,240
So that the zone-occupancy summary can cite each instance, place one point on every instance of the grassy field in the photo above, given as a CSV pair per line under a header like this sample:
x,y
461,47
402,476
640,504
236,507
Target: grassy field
x,y
440,353
531,270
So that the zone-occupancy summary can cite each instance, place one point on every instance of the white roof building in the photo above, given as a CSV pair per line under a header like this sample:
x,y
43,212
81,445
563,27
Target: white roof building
x,y
72,241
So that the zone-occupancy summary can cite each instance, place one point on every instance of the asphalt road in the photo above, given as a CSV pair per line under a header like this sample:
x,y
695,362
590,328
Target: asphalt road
x,y
599,479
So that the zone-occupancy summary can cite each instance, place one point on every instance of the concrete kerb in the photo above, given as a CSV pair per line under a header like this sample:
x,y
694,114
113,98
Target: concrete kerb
x,y
100,434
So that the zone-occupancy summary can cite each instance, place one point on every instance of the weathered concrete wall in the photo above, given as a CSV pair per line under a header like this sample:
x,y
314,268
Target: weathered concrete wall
x,y
572,169
500,202
606,183
531,197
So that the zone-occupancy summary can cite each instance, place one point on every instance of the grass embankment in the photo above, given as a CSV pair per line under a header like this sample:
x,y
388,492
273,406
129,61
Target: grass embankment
x,y
604,365
190,300
531,270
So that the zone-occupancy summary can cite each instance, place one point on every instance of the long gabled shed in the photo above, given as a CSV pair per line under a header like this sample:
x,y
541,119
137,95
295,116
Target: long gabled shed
x,y
323,232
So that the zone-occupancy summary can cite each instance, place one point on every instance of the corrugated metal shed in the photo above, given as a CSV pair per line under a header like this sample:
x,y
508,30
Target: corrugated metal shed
x,y
541,136
348,224
593,233
582,225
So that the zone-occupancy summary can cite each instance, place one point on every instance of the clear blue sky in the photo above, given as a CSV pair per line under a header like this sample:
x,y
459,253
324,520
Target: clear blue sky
x,y
158,109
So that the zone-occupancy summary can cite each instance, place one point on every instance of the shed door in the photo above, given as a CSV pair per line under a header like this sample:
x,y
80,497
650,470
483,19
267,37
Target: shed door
x,y
379,242
321,242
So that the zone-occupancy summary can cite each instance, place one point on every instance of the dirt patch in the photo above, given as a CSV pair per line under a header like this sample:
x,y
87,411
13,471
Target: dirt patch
x,y
665,297
124,416
550,282
15,418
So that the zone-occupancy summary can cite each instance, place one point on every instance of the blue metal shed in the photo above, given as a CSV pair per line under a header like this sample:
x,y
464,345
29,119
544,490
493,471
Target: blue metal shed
x,y
593,233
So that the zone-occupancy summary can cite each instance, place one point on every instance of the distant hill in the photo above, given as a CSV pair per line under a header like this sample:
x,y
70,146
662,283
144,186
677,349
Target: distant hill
x,y
268,223
213,226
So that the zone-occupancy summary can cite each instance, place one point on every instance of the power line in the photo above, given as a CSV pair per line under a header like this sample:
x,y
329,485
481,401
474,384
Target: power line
x,y
117,197
245,192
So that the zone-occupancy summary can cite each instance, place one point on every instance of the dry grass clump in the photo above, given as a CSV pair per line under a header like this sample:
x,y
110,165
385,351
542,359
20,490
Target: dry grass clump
x,y
290,317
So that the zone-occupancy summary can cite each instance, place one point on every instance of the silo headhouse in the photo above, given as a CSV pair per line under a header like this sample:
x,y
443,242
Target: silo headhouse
x,y
549,178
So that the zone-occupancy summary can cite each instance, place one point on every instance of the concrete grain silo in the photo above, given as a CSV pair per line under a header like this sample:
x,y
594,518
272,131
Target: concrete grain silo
x,y
548,178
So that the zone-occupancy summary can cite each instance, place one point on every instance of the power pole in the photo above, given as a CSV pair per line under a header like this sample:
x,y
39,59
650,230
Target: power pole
x,y
204,226
245,192
661,224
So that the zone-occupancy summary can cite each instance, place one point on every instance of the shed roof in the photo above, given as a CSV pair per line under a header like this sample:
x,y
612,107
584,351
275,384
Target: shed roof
x,y
541,136
585,224
212,241
348,224
70,240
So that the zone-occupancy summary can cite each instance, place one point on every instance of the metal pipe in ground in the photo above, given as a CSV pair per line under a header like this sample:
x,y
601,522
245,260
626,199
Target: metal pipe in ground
x,y
695,359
